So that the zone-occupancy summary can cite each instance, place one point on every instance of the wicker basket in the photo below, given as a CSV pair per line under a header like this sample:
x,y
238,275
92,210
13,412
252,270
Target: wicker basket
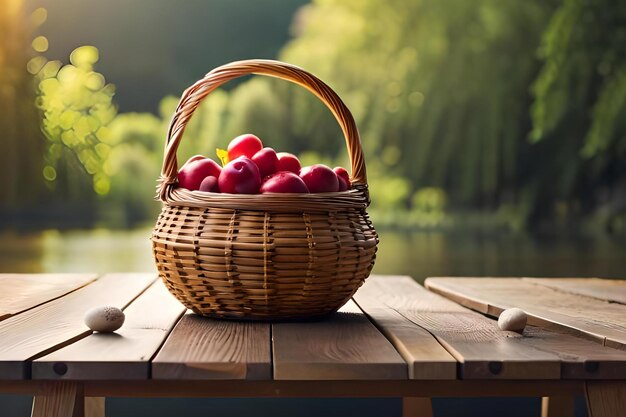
x,y
265,256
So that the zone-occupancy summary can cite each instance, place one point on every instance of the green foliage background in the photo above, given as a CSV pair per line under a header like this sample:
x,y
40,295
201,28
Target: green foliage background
x,y
510,109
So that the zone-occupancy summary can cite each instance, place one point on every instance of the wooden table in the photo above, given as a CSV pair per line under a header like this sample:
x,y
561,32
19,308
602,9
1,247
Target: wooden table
x,y
394,339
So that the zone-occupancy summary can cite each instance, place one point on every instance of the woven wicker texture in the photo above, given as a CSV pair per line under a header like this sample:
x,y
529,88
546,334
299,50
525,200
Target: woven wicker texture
x,y
266,256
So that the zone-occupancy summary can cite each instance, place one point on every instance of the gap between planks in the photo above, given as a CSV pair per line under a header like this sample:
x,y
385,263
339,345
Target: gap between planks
x,y
425,356
344,346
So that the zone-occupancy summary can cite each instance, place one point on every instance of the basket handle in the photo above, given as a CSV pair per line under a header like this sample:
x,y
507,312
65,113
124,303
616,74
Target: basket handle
x,y
193,96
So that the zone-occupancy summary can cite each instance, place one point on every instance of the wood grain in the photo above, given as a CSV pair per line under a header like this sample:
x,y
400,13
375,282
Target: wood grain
x,y
482,350
580,358
485,351
425,356
203,348
124,354
606,398
603,289
60,399
597,320
344,346
59,323
20,292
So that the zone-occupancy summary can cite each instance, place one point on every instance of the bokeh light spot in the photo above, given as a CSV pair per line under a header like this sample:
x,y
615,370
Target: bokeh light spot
x,y
50,69
416,98
39,16
102,185
393,105
85,56
49,173
35,64
94,81
40,44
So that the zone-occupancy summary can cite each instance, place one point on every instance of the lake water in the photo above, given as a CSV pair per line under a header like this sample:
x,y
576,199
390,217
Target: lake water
x,y
419,254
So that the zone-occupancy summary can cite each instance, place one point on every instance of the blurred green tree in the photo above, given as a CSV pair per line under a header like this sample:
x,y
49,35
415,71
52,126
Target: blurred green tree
x,y
447,95
22,144
440,89
514,105
579,111
77,105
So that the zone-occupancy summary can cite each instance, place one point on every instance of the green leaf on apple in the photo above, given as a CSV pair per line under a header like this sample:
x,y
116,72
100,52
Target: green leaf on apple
x,y
222,154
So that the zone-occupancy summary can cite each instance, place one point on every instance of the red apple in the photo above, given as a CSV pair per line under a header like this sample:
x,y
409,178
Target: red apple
x,y
320,179
240,176
192,159
284,182
192,173
209,184
344,178
288,162
266,160
244,145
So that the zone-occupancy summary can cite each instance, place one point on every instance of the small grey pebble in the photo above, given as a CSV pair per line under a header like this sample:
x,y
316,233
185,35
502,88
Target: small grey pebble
x,y
105,319
513,319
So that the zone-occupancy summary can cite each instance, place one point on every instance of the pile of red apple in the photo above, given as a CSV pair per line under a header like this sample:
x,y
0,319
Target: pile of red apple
x,y
249,168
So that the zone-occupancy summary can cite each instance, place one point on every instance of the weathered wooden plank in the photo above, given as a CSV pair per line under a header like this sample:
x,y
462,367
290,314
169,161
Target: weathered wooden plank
x,y
425,356
580,358
203,348
474,340
345,346
124,354
487,352
58,323
603,289
20,292
597,320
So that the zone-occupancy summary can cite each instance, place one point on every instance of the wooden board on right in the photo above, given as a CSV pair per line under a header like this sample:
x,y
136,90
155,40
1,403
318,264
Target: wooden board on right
x,y
613,290
602,321
483,350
